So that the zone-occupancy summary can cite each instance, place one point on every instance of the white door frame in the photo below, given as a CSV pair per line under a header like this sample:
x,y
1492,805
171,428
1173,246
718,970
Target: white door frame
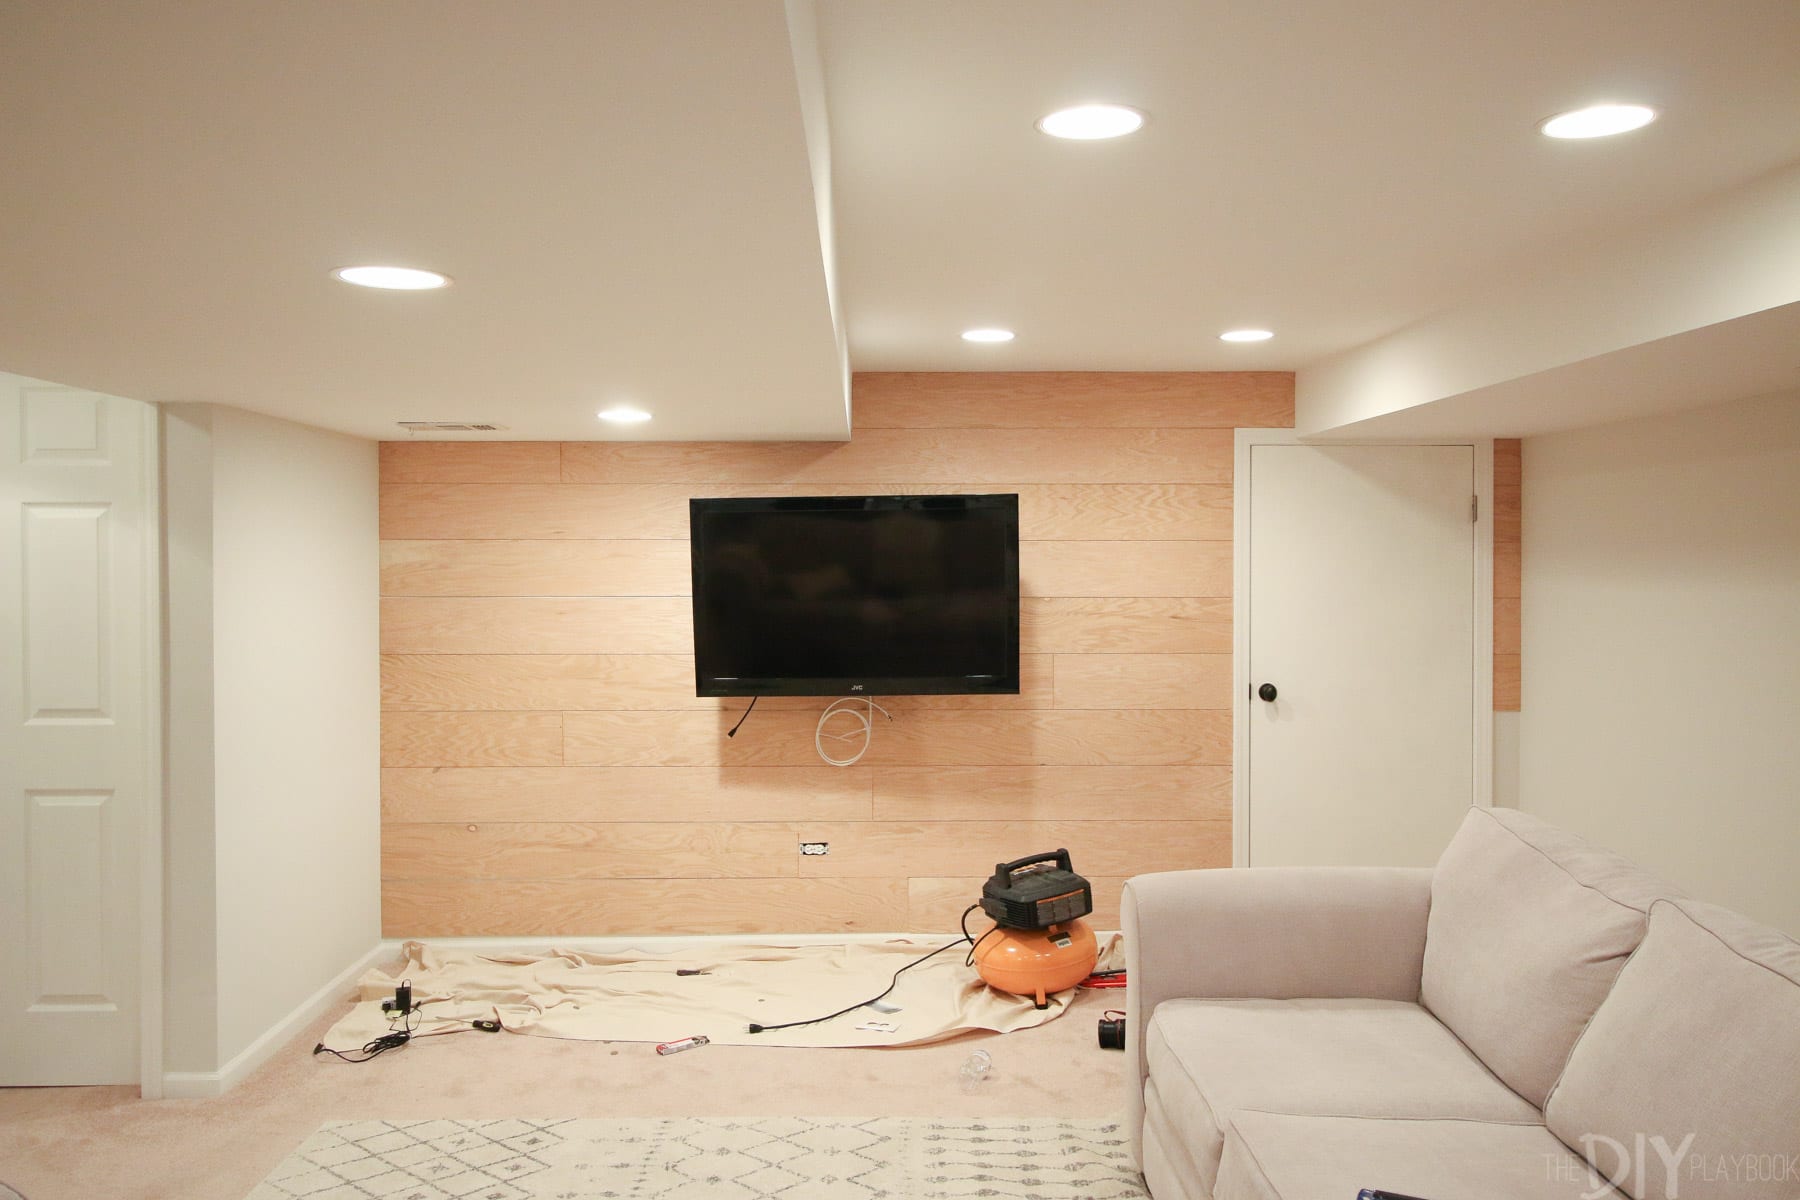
x,y
1481,719
150,829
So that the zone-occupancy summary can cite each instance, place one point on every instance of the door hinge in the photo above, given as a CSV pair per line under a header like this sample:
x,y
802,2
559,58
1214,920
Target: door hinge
x,y
1474,509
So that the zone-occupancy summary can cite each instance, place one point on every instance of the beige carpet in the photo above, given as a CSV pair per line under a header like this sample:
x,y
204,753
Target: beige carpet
x,y
700,1158
713,989
82,1143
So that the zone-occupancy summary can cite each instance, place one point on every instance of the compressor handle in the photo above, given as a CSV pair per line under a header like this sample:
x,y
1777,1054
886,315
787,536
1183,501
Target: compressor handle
x,y
1061,857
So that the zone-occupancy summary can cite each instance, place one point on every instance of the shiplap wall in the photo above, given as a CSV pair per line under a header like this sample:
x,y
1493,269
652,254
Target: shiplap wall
x,y
547,768
1508,492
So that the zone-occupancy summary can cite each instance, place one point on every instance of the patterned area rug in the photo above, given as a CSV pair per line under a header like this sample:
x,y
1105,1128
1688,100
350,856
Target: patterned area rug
x,y
698,1158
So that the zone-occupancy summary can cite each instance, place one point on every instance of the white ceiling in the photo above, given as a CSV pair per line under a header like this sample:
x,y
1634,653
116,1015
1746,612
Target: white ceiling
x,y
620,191
624,192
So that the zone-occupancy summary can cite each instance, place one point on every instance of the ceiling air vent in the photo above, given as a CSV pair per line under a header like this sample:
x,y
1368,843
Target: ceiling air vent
x,y
449,427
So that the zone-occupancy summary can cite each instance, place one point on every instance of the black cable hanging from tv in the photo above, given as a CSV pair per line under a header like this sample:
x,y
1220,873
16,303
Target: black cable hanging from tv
x,y
732,732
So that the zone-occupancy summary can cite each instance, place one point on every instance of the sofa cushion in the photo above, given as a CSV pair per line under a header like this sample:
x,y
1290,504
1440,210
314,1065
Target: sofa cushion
x,y
1166,1154
1369,1058
1272,1156
1700,1036
1529,927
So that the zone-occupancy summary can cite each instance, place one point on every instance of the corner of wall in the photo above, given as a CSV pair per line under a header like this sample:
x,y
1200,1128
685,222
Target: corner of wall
x,y
271,562
190,908
202,1085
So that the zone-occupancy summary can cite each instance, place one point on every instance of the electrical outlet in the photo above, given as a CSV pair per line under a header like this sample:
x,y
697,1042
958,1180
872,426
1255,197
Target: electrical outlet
x,y
815,847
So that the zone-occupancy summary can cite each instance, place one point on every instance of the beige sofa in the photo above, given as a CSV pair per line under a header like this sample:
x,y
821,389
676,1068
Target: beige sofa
x,y
1534,1017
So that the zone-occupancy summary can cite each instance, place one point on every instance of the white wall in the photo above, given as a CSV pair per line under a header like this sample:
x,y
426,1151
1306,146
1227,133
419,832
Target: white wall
x,y
297,694
274,664
1506,759
1661,628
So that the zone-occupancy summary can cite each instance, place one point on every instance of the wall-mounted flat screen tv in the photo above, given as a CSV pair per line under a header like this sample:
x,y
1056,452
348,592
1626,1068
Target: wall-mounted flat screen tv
x,y
856,595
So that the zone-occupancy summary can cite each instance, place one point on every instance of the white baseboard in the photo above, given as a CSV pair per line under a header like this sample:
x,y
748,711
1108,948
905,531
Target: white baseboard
x,y
613,944
201,1085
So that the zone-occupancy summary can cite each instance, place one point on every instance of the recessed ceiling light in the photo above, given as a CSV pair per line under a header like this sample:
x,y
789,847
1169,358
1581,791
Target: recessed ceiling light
x,y
393,279
987,335
1599,120
1246,335
1092,122
624,414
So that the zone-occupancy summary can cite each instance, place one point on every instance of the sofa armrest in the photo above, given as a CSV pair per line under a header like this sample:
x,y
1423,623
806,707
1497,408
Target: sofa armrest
x,y
1279,933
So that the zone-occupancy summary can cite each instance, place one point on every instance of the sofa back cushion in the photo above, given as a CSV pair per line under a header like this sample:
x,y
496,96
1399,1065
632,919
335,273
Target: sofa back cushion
x,y
1529,928
1700,1039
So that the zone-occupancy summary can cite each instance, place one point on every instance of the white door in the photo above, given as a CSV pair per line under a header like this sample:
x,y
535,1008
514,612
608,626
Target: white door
x,y
75,524
1362,602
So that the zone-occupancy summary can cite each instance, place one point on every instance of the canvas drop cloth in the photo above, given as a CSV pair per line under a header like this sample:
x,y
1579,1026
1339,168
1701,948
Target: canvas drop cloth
x,y
636,995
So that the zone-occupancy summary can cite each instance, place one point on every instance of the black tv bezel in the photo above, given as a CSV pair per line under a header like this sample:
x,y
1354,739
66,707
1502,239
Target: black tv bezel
x,y
879,685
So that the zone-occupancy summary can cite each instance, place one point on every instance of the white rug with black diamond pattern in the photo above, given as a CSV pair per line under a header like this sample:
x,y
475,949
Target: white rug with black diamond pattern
x,y
702,1158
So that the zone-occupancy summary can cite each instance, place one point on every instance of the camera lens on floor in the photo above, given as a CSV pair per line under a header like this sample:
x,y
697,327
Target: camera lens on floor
x,y
1112,1033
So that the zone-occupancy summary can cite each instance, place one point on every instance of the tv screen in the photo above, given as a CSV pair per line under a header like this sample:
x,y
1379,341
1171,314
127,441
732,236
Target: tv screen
x,y
855,595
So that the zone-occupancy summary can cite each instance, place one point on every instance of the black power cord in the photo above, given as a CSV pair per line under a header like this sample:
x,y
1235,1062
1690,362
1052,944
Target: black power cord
x,y
380,1045
892,983
403,1009
974,943
732,732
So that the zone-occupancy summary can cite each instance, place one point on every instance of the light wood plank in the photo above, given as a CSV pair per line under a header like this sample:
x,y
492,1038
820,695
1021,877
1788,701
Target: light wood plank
x,y
431,511
456,682
1143,681
601,511
1122,511
1071,399
1508,528
625,907
1062,793
1508,501
1135,625
922,455
1125,568
1123,737
1508,462
449,682
1116,848
479,739
582,511
479,794
704,466
536,625
1506,625
1508,571
566,850
1507,574
1508,683
536,568
935,905
470,462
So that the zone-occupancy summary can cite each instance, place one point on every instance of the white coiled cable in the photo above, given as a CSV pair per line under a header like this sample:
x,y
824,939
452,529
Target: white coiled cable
x,y
865,727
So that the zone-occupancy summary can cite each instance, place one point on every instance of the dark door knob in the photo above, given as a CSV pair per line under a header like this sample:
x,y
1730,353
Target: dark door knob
x,y
1266,691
